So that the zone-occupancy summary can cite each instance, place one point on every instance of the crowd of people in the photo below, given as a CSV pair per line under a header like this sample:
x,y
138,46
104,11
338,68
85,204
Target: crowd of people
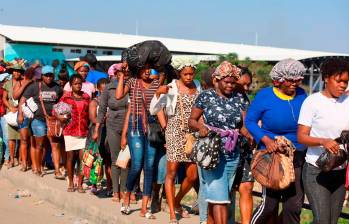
x,y
152,114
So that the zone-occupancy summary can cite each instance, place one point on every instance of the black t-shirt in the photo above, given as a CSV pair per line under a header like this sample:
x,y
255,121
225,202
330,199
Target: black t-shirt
x,y
50,96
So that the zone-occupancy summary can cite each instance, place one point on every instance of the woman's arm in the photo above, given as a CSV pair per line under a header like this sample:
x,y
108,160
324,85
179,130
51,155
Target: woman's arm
x,y
19,88
7,103
244,130
303,135
194,123
121,89
20,112
162,119
125,128
92,111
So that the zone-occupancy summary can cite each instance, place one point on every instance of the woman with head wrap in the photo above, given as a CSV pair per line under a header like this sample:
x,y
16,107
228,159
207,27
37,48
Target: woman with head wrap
x,y
222,109
177,99
324,115
278,107
111,114
82,68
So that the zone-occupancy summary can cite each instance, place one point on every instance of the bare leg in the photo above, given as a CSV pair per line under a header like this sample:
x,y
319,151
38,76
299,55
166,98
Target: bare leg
x,y
188,182
23,148
39,141
246,202
56,153
172,168
12,146
70,171
220,213
32,154
78,173
210,219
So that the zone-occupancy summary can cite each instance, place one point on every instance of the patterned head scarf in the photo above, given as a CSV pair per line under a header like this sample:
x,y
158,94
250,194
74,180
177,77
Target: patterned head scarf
x,y
226,69
79,64
287,69
114,68
181,62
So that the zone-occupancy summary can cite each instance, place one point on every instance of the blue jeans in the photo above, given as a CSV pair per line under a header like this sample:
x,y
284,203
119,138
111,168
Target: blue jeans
x,y
142,157
5,149
201,198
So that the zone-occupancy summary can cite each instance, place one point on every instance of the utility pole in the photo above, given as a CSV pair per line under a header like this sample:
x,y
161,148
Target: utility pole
x,y
137,27
256,39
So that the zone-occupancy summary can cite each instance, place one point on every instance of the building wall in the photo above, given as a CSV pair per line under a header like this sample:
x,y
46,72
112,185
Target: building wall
x,y
2,46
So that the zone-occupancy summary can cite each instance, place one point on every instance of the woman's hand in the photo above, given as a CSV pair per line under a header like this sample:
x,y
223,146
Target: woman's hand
x,y
270,144
123,142
95,135
203,131
330,145
13,109
162,90
20,118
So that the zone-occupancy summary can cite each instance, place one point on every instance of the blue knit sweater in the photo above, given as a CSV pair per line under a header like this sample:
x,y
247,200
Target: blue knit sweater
x,y
278,116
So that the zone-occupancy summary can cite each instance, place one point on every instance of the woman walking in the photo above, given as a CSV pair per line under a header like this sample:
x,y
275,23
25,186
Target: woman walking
x,y
324,115
278,107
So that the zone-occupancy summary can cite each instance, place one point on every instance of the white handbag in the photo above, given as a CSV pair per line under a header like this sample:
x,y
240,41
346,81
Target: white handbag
x,y
29,108
123,158
11,118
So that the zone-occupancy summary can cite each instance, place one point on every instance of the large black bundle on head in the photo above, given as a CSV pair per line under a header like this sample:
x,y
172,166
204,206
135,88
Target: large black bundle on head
x,y
150,52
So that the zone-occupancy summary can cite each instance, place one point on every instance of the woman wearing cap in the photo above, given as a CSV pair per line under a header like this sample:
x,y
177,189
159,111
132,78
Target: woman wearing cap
x,y
82,68
324,115
278,107
222,108
177,99
11,104
141,90
114,121
50,93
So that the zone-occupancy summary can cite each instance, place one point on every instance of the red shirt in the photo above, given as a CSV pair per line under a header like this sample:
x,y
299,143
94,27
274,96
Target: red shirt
x,y
2,106
78,125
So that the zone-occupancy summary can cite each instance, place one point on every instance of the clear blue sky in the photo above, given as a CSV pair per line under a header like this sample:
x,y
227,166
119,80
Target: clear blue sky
x,y
302,24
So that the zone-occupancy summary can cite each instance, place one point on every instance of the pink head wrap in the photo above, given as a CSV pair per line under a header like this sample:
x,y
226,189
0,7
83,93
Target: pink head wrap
x,y
114,68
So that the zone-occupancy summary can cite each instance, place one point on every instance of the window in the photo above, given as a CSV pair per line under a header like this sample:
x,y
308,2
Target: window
x,y
77,51
92,51
57,49
108,52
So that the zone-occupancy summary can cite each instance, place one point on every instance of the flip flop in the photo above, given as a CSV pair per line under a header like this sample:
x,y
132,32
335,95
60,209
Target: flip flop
x,y
173,221
81,190
125,210
147,215
70,189
182,212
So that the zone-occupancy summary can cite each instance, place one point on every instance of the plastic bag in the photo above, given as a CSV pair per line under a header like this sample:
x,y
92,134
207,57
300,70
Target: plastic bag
x,y
327,161
123,158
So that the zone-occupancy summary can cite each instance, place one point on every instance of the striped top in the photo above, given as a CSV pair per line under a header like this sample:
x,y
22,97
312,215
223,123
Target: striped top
x,y
136,94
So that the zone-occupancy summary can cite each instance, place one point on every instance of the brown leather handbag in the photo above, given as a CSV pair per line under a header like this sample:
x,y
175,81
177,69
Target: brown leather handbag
x,y
275,170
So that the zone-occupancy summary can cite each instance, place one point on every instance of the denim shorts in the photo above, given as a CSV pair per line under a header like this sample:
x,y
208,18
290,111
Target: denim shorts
x,y
39,128
25,124
219,181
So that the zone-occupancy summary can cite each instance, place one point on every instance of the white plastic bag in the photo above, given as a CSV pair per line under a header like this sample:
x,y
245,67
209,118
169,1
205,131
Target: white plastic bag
x,y
123,158
11,118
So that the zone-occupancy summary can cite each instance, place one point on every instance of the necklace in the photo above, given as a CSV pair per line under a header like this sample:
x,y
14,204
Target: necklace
x,y
292,111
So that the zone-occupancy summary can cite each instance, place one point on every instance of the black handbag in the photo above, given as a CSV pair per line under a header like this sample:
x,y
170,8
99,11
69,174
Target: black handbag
x,y
206,151
327,161
155,133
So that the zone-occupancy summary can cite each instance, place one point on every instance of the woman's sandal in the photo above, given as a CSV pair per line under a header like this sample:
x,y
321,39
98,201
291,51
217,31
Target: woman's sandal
x,y
182,212
173,221
70,189
59,176
147,215
81,190
23,169
125,210
116,197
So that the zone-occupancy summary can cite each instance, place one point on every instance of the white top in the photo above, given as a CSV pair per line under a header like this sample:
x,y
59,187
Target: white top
x,y
327,117
168,100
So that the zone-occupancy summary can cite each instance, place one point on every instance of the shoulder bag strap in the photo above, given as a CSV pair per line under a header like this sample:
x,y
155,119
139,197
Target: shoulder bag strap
x,y
181,107
41,101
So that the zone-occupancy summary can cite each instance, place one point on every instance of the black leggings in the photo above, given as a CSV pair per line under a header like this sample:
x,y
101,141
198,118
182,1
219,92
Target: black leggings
x,y
118,175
